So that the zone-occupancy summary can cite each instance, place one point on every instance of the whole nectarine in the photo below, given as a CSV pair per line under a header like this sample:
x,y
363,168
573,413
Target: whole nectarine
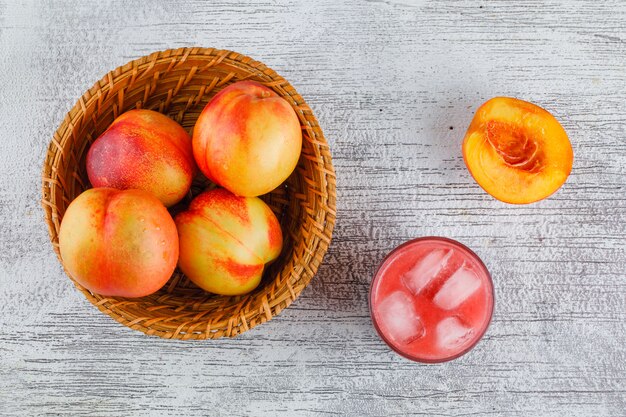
x,y
247,139
225,241
118,243
146,150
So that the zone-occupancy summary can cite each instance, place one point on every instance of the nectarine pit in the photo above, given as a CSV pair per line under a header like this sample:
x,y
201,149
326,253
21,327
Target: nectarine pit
x,y
515,145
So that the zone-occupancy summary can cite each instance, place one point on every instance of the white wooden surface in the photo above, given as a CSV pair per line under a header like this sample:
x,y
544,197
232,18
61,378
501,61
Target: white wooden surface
x,y
394,85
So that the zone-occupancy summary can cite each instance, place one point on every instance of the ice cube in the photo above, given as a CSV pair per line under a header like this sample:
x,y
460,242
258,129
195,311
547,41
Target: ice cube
x,y
396,314
458,288
425,270
452,333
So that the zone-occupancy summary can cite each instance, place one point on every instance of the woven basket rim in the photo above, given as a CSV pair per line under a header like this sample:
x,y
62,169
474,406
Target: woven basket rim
x,y
112,87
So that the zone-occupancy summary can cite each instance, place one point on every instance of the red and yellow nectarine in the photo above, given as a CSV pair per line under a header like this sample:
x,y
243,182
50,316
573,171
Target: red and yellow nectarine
x,y
225,241
146,150
247,139
118,243
517,151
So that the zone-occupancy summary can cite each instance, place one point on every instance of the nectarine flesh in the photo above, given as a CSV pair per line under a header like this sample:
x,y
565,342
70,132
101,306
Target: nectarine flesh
x,y
517,151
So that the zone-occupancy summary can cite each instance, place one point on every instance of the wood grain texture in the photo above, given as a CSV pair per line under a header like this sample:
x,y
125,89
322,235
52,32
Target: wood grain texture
x,y
394,85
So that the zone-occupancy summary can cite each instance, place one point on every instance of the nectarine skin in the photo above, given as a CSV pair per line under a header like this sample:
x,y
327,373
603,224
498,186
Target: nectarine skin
x,y
225,241
247,139
118,243
517,151
146,150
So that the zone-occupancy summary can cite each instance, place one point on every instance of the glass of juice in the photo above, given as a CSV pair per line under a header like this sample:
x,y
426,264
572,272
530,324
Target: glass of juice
x,y
431,299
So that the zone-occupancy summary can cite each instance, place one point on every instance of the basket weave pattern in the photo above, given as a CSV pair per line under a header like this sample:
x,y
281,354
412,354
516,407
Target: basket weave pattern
x,y
179,83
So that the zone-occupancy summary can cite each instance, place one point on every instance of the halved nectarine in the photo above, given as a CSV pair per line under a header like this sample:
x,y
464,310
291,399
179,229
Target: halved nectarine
x,y
517,151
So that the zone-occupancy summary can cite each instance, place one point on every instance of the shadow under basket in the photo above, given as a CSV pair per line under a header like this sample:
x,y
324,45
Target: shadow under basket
x,y
179,83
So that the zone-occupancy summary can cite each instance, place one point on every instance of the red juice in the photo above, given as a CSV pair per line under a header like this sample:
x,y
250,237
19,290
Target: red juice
x,y
431,299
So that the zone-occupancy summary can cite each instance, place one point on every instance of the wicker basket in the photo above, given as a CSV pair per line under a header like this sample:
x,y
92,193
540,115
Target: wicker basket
x,y
179,83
